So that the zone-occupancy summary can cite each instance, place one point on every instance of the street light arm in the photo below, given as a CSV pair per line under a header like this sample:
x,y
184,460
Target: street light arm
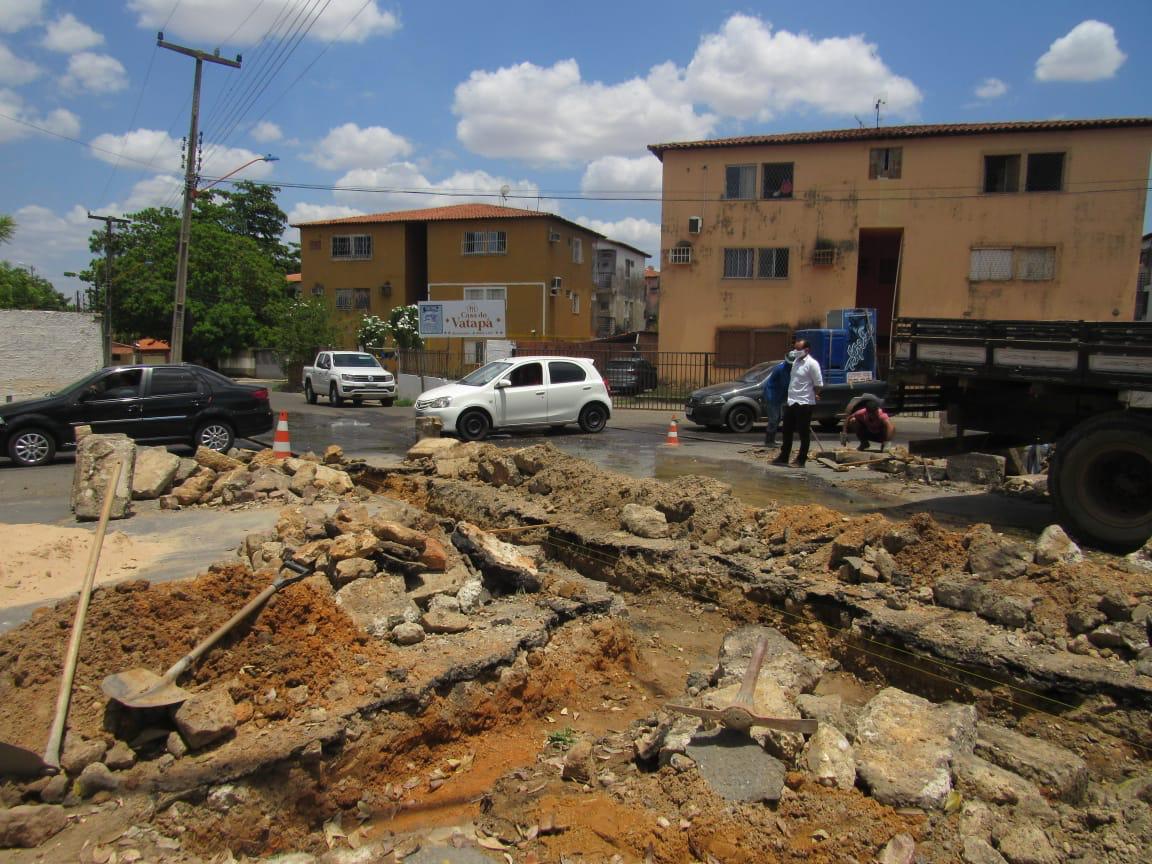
x,y
268,158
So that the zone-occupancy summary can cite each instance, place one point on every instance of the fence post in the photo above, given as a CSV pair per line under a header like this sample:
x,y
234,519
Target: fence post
x,y
706,381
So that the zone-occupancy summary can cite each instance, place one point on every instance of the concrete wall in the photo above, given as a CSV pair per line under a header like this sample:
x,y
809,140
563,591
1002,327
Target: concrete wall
x,y
411,386
938,207
44,351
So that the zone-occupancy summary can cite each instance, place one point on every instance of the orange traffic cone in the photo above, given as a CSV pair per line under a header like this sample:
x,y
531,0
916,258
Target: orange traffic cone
x,y
281,446
673,439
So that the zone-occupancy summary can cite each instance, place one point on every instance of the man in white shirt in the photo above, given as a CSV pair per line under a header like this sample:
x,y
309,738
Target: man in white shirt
x,y
803,390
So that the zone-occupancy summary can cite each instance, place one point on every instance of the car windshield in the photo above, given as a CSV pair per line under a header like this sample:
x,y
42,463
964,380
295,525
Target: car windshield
x,y
345,360
758,372
486,373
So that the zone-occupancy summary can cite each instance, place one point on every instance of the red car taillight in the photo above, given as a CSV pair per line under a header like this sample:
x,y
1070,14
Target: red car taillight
x,y
261,394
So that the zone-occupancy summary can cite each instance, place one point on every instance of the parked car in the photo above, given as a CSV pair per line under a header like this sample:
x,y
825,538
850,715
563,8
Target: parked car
x,y
630,375
738,404
178,404
518,392
351,375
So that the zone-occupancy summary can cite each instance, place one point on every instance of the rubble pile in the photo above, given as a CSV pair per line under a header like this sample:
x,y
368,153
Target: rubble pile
x,y
482,661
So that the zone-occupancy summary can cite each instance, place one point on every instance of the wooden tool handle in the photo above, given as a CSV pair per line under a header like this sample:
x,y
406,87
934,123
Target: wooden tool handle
x,y
748,685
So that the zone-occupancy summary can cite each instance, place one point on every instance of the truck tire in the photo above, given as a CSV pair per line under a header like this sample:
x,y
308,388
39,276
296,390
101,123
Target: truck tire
x,y
309,393
1100,480
334,397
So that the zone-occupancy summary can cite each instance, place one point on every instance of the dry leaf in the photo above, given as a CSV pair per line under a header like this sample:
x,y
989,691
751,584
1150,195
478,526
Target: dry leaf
x,y
356,838
333,831
564,712
435,784
102,855
486,842
131,856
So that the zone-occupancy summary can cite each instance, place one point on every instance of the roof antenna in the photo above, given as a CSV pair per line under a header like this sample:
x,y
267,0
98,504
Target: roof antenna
x,y
879,101
859,122
504,190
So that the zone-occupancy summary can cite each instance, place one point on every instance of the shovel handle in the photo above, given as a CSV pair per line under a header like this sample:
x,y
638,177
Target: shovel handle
x,y
748,685
180,666
56,735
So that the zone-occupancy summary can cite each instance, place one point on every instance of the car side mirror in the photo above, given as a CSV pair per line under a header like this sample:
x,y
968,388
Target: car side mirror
x,y
502,383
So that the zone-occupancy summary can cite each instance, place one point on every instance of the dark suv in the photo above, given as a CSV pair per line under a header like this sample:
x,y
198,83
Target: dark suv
x,y
182,404
627,375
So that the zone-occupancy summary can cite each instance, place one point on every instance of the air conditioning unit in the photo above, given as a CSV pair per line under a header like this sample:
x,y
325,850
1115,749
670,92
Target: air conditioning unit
x,y
553,236
695,223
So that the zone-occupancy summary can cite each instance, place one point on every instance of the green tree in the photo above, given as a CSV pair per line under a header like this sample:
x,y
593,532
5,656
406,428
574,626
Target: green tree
x,y
373,332
20,289
302,326
7,227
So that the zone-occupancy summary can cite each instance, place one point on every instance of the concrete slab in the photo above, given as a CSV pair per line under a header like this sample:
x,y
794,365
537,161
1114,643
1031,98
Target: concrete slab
x,y
450,855
736,767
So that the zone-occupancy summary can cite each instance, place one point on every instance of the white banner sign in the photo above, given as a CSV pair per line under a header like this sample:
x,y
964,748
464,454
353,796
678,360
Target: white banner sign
x,y
479,319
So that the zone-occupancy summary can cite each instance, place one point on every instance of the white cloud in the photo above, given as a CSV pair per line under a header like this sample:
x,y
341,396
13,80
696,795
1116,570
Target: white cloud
x,y
214,21
621,174
1088,53
15,15
551,115
266,131
750,72
161,152
51,243
305,212
94,73
160,190
641,233
67,34
14,70
60,121
350,146
991,88
410,189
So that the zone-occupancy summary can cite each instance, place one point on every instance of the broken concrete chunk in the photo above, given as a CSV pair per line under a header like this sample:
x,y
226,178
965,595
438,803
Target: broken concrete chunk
x,y
1116,605
408,633
1027,843
1082,620
1059,772
905,746
96,778
472,595
428,427
996,557
442,621
268,480
333,480
644,521
1125,635
26,826
154,473
351,569
376,605
977,850
502,562
304,477
79,753
784,663
1054,546
901,849
434,556
981,468
394,532
425,586
830,758
428,448
736,767
578,762
359,545
95,457
498,469
120,757
978,778
206,717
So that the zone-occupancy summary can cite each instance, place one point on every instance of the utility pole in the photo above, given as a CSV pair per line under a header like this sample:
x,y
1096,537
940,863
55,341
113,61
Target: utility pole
x,y
109,255
177,354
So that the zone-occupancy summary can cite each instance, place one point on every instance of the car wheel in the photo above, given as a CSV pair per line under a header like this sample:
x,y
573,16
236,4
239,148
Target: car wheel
x,y
473,425
387,403
334,398
593,417
215,435
741,418
309,393
30,447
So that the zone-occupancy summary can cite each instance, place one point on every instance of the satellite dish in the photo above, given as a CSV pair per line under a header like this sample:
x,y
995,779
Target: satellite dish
x,y
504,190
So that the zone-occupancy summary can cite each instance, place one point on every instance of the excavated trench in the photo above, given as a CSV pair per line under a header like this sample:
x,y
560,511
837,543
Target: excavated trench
x,y
466,739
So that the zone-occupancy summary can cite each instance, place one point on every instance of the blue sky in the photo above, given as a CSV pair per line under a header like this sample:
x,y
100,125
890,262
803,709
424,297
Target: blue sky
x,y
435,103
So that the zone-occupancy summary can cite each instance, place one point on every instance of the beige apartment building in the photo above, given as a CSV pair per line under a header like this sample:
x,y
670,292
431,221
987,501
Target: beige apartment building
x,y
540,264
1022,220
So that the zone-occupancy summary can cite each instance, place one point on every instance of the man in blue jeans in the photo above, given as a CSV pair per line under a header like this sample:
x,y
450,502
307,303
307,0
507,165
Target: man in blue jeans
x,y
803,390
775,395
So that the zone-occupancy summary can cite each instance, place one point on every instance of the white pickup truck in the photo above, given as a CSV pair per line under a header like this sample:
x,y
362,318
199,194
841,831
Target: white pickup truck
x,y
348,375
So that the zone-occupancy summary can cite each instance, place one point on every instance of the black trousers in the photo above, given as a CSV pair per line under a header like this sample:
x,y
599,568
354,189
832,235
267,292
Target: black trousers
x,y
796,418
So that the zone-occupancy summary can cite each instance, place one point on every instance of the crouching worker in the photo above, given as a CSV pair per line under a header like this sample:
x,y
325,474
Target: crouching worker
x,y
868,421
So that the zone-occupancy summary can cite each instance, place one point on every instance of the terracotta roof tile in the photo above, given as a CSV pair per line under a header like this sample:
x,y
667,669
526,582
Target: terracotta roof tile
x,y
452,213
293,277
888,133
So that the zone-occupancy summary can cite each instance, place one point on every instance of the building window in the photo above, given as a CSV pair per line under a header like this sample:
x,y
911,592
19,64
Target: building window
x,y
486,292
990,265
680,254
772,263
777,180
1002,173
1036,264
884,163
1045,172
484,243
352,247
343,298
474,352
574,297
738,263
318,290
577,250
740,182
361,299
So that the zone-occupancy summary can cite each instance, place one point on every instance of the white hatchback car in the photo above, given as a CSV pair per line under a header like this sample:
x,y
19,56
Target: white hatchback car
x,y
521,391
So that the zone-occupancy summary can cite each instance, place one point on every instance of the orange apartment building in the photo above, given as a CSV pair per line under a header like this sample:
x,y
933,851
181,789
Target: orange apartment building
x,y
1022,220
540,264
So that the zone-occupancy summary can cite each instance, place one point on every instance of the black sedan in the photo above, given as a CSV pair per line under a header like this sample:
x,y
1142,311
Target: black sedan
x,y
630,375
182,404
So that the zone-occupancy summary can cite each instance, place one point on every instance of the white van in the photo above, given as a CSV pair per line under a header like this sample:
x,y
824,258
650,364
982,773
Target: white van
x,y
521,391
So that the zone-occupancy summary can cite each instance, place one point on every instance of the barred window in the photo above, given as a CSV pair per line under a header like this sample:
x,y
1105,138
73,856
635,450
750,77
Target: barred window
x,y
738,263
740,181
885,163
773,263
577,250
1036,264
351,247
777,180
362,299
343,298
485,243
990,265
680,255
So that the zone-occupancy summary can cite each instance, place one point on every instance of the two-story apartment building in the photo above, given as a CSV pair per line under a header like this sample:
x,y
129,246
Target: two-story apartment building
x,y
619,275
540,264
1021,220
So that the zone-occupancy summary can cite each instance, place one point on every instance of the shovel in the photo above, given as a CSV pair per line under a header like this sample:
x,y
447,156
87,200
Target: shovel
x,y
17,761
141,688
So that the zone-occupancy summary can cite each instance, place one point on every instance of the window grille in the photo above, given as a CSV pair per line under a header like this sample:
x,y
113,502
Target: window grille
x,y
885,163
823,257
343,298
362,299
990,265
773,263
740,181
1036,264
484,243
738,263
486,292
352,247
680,255
777,180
